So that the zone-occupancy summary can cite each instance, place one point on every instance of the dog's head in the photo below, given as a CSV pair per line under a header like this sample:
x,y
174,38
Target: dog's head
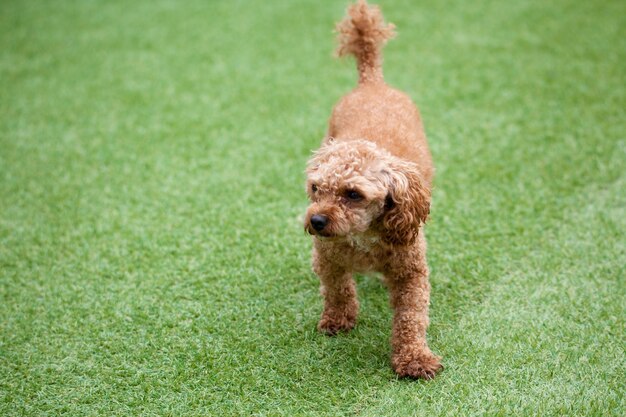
x,y
356,186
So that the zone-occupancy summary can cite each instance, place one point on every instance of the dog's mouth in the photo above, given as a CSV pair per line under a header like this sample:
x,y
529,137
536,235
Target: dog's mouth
x,y
321,234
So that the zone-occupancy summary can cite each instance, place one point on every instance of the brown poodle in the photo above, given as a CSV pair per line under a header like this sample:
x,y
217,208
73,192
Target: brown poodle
x,y
369,186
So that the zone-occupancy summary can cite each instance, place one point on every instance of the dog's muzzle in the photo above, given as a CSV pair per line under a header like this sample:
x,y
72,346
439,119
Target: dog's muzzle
x,y
319,222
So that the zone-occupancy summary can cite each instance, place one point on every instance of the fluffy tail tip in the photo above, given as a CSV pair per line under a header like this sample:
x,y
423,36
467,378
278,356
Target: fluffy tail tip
x,y
363,33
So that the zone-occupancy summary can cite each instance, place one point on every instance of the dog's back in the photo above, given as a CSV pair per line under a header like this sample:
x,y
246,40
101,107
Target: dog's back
x,y
374,111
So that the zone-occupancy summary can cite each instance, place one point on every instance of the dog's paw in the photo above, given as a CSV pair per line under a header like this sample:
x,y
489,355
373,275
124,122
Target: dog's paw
x,y
423,365
333,325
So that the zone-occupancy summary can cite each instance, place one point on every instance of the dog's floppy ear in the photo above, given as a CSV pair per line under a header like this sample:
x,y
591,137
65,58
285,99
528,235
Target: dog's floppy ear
x,y
407,205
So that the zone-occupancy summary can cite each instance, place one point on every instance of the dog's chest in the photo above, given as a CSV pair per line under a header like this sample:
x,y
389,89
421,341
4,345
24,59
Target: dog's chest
x,y
364,244
358,254
365,254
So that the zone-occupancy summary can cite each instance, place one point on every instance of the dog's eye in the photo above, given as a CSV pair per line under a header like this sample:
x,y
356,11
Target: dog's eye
x,y
354,195
313,188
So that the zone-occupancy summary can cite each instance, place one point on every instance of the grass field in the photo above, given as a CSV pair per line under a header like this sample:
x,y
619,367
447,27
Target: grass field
x,y
152,260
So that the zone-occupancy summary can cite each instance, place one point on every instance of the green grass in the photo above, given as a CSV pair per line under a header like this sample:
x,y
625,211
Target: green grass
x,y
152,260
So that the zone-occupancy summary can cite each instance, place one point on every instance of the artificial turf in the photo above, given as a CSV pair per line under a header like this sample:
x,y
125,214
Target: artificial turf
x,y
152,260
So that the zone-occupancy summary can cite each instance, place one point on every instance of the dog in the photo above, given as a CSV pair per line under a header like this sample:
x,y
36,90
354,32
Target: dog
x,y
369,186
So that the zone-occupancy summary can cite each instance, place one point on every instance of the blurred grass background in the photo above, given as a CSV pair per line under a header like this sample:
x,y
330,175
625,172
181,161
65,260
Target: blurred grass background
x,y
152,260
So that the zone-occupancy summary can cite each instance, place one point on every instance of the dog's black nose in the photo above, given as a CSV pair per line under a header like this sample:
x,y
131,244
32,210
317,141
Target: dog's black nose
x,y
319,222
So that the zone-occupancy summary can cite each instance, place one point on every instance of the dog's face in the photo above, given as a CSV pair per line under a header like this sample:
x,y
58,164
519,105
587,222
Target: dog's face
x,y
346,188
355,187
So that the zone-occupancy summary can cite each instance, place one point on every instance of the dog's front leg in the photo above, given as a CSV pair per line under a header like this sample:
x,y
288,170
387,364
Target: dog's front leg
x,y
410,292
340,300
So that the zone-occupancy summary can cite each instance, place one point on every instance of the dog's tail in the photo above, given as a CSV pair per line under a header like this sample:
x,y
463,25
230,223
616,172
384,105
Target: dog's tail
x,y
363,33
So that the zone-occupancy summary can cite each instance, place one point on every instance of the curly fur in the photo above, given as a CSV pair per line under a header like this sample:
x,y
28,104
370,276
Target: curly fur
x,y
363,34
370,182
410,205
